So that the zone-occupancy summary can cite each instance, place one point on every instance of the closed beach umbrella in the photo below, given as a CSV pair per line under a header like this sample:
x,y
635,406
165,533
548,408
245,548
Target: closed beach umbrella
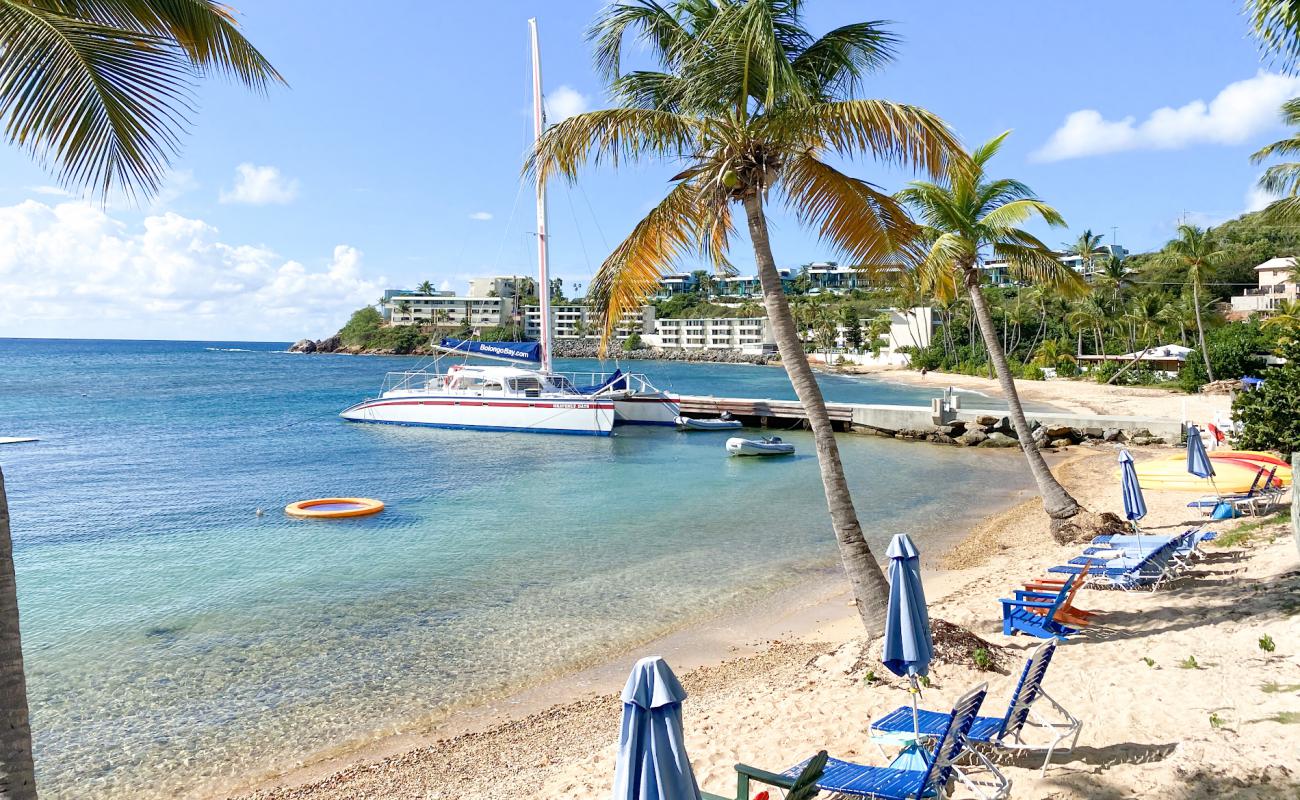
x,y
1198,461
908,643
652,762
1135,506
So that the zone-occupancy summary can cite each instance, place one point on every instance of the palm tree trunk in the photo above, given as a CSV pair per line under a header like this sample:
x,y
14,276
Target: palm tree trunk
x,y
1057,502
1200,331
870,589
17,774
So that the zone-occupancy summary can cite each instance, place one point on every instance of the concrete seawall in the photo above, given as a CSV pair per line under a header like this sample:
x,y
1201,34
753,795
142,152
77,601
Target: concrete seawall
x,y
894,418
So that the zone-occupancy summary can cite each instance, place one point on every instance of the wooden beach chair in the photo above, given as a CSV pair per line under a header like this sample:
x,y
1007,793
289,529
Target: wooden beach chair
x,y
1034,613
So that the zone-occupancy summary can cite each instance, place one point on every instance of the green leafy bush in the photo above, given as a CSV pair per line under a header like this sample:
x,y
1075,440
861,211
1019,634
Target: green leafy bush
x,y
1270,413
363,324
1234,353
633,342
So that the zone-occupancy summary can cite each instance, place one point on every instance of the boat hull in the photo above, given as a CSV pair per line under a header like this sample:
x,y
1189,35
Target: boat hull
x,y
657,408
1230,476
579,416
750,447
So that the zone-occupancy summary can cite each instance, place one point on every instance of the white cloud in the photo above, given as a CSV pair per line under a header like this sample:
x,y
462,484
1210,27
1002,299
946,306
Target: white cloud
x,y
260,186
71,269
481,216
445,286
51,191
565,102
1242,110
1258,199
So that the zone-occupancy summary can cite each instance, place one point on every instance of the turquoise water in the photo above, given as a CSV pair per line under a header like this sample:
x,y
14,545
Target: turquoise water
x,y
175,640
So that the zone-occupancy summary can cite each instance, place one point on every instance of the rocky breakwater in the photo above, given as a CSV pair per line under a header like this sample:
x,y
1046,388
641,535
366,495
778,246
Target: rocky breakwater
x,y
992,431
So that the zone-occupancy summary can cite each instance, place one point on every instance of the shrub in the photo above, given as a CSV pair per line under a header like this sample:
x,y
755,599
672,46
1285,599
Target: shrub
x,y
1270,413
633,342
1234,353
1032,372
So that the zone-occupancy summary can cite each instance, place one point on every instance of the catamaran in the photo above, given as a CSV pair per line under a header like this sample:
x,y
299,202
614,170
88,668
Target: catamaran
x,y
527,395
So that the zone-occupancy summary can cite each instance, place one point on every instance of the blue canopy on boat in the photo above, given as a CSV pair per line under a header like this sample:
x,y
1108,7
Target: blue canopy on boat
x,y
616,381
514,351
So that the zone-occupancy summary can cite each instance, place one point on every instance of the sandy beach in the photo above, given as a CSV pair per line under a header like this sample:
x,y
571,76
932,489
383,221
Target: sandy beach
x,y
1080,396
1176,694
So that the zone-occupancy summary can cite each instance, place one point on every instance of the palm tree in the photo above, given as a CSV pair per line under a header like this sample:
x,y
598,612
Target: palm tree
x,y
1052,353
752,103
425,288
1282,180
1087,248
1091,314
968,215
1285,317
1194,251
97,91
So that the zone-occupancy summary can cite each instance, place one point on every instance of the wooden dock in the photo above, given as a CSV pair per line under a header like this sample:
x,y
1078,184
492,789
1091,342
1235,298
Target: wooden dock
x,y
762,413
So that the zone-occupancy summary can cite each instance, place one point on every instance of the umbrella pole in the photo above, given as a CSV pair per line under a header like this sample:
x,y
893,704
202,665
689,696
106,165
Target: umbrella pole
x,y
916,717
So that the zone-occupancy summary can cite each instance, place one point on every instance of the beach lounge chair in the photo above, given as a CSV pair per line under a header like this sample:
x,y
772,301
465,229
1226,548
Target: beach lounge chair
x,y
1004,731
892,783
1262,488
1184,549
1034,613
1127,573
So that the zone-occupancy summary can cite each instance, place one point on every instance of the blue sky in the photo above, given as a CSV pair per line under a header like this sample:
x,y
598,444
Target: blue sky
x,y
393,156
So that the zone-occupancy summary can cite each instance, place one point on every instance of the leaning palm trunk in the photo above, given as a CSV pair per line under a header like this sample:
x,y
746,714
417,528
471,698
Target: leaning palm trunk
x,y
17,775
1057,502
870,590
1200,331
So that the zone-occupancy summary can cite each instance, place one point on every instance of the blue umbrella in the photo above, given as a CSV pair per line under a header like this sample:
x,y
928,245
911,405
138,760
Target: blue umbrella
x,y
652,762
908,643
1135,506
1198,461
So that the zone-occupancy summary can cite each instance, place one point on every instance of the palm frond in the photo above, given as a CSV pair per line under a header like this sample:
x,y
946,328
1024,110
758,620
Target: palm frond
x,y
864,223
836,63
982,154
651,23
1283,212
1282,180
659,241
1289,146
1037,264
938,272
1276,24
647,89
207,32
611,135
1009,215
103,106
895,133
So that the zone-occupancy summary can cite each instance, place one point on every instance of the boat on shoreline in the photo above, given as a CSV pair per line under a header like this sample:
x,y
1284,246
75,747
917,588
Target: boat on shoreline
x,y
528,395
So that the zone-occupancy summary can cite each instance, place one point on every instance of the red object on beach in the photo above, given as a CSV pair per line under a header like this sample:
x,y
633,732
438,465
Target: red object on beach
x,y
763,795
1215,432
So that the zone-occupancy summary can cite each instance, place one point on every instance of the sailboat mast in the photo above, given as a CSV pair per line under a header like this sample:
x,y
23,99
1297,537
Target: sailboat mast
x,y
543,273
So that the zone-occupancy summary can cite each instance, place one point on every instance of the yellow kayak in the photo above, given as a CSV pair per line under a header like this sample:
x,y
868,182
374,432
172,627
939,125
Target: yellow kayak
x,y
1266,461
1230,476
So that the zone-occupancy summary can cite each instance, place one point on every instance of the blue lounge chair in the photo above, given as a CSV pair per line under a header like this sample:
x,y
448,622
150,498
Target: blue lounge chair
x,y
892,783
1004,731
1018,615
1125,573
1137,548
1261,488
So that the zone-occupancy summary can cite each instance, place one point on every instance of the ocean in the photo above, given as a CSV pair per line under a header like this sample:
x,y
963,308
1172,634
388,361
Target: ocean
x,y
177,641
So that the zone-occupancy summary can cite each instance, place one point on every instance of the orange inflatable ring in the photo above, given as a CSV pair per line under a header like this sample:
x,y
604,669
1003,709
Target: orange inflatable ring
x,y
334,507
